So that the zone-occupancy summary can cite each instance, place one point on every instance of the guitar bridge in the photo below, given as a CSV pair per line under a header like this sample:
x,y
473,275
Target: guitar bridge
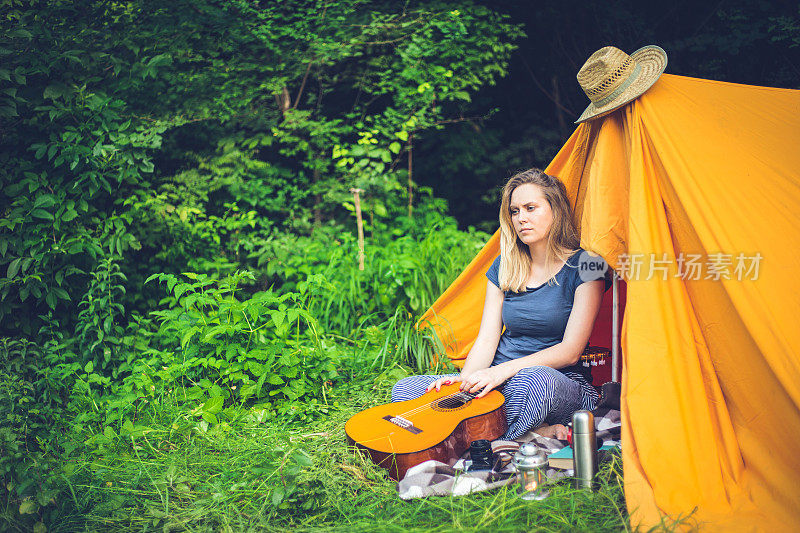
x,y
399,421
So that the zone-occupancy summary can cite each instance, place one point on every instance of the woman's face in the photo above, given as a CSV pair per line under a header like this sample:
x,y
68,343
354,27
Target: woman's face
x,y
530,213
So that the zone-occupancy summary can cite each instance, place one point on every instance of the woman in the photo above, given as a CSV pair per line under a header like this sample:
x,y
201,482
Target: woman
x,y
548,311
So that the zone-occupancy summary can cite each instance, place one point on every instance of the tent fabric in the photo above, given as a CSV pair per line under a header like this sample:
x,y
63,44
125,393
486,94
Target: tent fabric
x,y
711,367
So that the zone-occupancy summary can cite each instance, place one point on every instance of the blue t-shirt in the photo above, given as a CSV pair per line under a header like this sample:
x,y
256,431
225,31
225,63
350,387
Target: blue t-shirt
x,y
537,318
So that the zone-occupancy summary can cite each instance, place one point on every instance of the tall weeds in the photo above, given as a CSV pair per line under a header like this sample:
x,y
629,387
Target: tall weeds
x,y
408,271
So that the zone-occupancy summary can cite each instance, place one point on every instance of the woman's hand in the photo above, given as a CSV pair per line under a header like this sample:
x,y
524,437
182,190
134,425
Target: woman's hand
x,y
445,380
486,379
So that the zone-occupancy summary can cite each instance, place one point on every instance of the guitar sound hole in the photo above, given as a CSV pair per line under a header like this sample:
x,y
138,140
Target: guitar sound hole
x,y
451,403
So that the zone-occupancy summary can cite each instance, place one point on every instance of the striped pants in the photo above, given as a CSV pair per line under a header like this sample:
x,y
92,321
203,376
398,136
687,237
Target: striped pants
x,y
534,396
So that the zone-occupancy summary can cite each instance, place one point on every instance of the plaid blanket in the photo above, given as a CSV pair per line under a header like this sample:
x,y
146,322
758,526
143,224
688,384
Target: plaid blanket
x,y
433,478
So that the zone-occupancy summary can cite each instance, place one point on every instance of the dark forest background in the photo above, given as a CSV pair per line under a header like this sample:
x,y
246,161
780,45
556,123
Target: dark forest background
x,y
183,287
537,101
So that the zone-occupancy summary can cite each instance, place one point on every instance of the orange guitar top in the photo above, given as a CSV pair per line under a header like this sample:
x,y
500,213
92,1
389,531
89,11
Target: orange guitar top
x,y
415,425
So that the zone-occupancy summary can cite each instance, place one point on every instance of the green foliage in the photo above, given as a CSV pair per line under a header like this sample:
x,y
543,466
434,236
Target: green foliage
x,y
28,411
173,470
785,29
72,148
186,135
99,332
256,473
408,266
404,344
266,346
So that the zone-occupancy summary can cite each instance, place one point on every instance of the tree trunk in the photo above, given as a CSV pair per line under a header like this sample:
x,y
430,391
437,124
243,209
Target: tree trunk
x,y
283,100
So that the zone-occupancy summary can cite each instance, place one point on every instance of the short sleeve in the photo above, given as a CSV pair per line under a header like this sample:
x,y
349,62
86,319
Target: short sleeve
x,y
493,274
588,267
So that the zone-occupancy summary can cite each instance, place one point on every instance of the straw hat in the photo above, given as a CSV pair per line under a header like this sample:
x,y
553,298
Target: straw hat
x,y
611,78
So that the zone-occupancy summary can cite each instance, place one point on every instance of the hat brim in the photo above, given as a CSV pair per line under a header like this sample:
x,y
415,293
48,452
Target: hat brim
x,y
653,61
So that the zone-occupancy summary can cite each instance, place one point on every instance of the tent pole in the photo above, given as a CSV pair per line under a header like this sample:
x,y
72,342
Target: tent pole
x,y
614,327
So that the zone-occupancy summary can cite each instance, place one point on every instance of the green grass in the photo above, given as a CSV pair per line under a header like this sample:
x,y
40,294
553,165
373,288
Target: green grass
x,y
178,477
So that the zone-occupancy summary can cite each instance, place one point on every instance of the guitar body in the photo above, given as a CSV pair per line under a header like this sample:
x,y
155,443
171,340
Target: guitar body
x,y
438,425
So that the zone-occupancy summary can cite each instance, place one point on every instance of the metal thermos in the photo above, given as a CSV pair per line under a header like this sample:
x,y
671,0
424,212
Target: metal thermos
x,y
584,446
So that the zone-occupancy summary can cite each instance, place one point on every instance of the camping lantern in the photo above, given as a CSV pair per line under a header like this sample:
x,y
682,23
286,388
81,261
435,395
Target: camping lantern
x,y
531,466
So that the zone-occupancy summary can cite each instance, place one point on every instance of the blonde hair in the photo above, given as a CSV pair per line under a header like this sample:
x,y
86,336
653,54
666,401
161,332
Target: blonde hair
x,y
562,238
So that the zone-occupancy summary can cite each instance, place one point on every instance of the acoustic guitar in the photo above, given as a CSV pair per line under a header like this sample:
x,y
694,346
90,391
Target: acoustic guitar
x,y
438,425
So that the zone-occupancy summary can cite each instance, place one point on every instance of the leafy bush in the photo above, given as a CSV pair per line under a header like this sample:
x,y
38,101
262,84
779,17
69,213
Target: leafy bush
x,y
266,346
99,330
173,138
141,141
28,413
406,267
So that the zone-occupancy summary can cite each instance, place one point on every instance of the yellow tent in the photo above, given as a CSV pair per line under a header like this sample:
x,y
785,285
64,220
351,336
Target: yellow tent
x,y
692,194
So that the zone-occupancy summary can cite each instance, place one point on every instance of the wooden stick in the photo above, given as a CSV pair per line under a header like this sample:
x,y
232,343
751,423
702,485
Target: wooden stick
x,y
357,200
410,182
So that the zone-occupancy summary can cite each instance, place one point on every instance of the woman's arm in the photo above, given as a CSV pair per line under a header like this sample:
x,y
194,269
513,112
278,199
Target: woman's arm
x,y
483,349
585,307
482,353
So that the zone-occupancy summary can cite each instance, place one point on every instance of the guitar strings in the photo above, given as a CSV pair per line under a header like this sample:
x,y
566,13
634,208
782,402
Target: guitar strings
x,y
429,405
